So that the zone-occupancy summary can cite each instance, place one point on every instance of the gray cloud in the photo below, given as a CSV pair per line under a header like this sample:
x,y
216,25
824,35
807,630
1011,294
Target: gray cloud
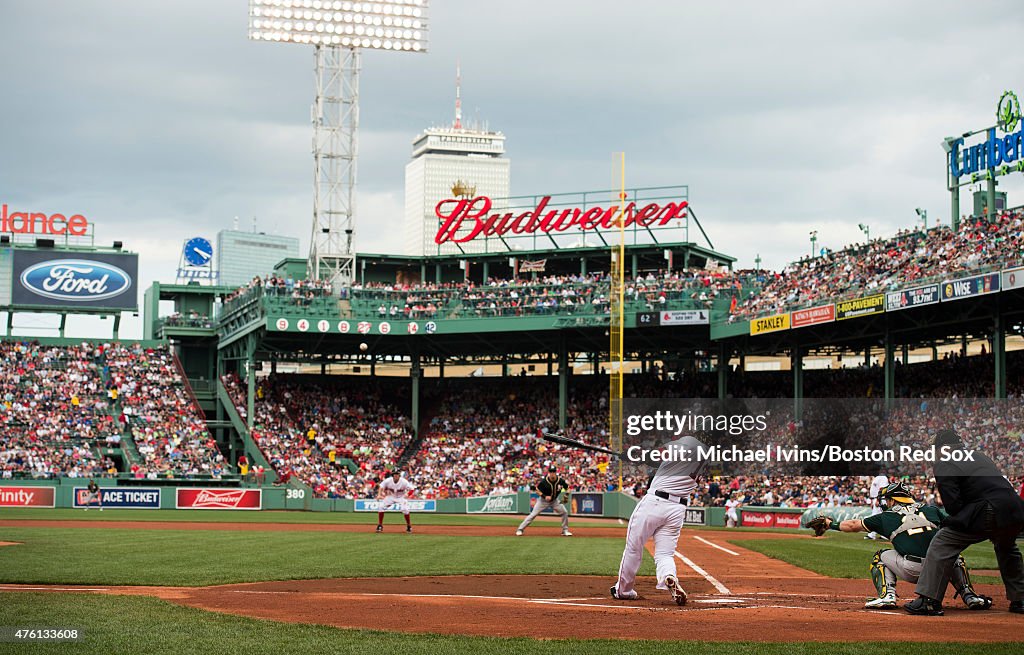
x,y
160,120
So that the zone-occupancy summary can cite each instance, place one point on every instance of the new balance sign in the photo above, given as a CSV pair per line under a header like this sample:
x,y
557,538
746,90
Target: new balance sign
x,y
190,498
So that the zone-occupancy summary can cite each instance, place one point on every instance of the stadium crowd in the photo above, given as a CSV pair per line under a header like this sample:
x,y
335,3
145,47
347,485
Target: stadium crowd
x,y
549,294
479,436
61,404
307,427
889,263
55,410
162,417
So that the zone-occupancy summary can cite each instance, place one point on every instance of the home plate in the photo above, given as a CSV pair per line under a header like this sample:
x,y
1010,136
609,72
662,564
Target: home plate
x,y
723,600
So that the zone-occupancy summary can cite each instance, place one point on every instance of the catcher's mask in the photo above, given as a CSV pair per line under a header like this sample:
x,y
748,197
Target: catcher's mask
x,y
895,493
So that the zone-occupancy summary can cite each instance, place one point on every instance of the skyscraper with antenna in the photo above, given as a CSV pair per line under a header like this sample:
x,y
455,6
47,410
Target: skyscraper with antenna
x,y
449,161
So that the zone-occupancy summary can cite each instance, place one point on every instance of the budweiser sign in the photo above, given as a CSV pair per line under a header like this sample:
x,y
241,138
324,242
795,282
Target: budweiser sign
x,y
219,499
465,219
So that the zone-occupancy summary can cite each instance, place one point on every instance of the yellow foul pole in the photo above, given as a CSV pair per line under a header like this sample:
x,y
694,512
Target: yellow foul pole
x,y
617,324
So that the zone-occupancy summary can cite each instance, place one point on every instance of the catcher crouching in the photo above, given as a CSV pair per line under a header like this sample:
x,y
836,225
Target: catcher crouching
x,y
909,526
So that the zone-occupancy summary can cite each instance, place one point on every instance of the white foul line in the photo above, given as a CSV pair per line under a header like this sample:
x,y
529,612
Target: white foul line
x,y
704,574
713,545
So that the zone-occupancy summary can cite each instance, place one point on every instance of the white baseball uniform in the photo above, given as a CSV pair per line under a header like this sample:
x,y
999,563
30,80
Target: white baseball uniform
x,y
659,517
878,483
395,493
730,512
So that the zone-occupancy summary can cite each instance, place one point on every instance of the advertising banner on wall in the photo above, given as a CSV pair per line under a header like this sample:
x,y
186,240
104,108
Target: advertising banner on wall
x,y
969,287
415,505
860,307
26,496
695,516
500,504
907,298
192,498
74,280
122,498
814,316
769,324
1013,278
587,503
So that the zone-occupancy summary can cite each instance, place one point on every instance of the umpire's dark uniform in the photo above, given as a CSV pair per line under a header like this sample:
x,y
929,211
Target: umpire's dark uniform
x,y
982,505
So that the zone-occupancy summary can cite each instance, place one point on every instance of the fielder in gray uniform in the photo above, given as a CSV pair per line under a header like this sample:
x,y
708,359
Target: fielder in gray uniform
x,y
547,490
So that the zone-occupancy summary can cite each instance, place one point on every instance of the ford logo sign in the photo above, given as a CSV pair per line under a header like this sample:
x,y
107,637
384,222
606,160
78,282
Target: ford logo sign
x,y
75,280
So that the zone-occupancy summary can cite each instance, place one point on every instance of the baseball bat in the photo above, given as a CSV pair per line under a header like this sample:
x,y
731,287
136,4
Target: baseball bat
x,y
563,440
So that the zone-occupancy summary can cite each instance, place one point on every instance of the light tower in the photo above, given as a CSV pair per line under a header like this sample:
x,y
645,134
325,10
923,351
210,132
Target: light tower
x,y
338,31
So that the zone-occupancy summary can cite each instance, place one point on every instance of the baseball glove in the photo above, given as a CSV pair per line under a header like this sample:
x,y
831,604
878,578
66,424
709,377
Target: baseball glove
x,y
819,524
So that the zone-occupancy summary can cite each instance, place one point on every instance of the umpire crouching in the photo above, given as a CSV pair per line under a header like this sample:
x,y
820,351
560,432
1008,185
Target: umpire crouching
x,y
981,505
548,489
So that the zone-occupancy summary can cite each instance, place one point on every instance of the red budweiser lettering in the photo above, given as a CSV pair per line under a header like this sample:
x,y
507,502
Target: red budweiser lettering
x,y
40,223
463,219
219,499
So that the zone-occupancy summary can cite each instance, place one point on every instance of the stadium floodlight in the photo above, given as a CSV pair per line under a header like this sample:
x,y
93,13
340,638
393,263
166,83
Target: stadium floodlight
x,y
338,31
866,229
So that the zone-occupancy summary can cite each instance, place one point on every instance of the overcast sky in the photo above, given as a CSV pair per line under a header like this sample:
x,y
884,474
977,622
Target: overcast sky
x,y
161,120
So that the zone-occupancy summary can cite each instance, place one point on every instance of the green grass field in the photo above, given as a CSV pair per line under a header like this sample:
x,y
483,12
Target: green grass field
x,y
230,516
205,557
120,624
849,555
117,624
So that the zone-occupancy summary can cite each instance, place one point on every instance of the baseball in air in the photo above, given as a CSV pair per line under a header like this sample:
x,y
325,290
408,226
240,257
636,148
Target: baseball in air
x,y
363,347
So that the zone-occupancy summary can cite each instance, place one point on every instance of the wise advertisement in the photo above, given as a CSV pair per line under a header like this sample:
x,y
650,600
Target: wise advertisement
x,y
860,307
133,498
415,505
969,287
907,298
767,324
499,504
55,278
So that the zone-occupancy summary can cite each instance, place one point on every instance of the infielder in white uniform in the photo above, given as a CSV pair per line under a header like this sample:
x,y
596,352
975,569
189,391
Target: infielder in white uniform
x,y
659,514
394,491
877,484
731,516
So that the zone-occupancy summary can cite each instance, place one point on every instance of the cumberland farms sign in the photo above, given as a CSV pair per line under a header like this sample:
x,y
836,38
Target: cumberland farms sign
x,y
465,219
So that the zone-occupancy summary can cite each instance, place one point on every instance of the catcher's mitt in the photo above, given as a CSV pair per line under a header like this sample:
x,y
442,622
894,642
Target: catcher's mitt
x,y
819,524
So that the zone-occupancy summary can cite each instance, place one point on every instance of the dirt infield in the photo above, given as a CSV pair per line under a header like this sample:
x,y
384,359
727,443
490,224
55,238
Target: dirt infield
x,y
735,595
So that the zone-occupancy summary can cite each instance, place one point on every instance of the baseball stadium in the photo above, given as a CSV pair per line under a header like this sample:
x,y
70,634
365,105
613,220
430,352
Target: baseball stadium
x,y
489,445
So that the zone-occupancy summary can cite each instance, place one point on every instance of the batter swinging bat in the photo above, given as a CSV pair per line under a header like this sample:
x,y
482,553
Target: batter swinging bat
x,y
563,440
